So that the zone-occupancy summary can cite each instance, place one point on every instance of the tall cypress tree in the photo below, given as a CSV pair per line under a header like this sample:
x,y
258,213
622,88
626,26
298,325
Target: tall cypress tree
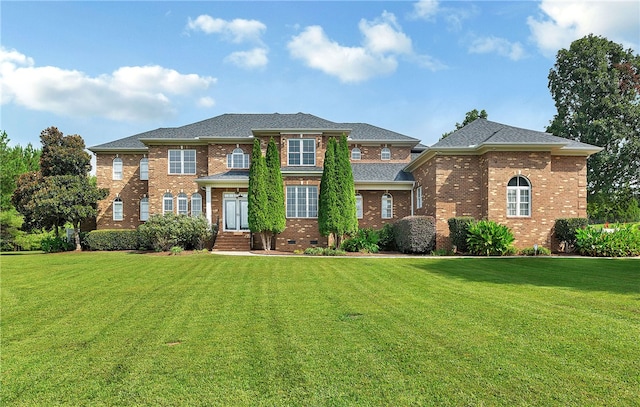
x,y
328,216
257,200
345,191
275,191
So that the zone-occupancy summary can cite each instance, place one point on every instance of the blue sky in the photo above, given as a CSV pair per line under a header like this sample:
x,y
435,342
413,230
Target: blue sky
x,y
107,70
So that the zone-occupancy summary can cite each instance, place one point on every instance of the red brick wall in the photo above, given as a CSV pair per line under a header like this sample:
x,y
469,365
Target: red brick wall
x,y
371,154
372,204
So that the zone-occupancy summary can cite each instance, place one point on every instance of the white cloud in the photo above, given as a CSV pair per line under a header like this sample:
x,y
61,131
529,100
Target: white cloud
x,y
237,30
500,46
206,101
383,42
425,9
562,22
129,93
255,58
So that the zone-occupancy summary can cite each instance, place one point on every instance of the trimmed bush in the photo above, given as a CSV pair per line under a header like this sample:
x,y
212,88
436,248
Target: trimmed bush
x,y
488,238
458,230
165,231
52,244
565,230
387,238
365,241
108,240
415,234
326,251
622,241
530,251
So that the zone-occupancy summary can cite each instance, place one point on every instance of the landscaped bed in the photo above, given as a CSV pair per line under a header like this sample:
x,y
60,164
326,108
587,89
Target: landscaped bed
x,y
134,329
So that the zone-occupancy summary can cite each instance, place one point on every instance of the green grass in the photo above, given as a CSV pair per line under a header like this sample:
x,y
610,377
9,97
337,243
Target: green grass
x,y
126,329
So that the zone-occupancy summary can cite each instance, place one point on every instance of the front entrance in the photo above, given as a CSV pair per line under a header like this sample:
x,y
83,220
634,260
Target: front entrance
x,y
236,212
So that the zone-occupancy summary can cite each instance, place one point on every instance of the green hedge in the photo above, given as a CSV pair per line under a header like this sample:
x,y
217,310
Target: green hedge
x,y
620,241
415,234
458,231
108,240
565,229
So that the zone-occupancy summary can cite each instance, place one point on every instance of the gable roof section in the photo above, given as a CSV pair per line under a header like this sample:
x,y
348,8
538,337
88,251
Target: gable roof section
x,y
245,126
483,135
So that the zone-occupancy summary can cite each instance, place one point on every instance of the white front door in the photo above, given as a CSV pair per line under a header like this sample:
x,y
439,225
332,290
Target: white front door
x,y
236,212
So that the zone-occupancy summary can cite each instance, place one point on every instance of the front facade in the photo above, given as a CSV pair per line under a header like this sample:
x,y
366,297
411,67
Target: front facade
x,y
521,178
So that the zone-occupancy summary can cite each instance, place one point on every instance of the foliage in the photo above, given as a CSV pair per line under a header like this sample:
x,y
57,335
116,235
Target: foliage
x,y
328,216
365,241
323,251
387,238
32,241
415,234
55,244
622,241
10,223
117,239
471,116
14,161
63,155
275,192
175,250
165,231
596,88
27,185
259,221
345,191
531,251
458,230
565,230
443,252
488,238
621,206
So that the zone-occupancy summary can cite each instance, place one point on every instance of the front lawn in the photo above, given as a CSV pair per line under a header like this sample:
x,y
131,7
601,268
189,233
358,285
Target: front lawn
x,y
130,329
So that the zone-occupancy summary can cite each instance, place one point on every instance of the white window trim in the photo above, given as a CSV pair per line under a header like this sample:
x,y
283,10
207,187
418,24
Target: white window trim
x,y
167,197
237,152
182,162
308,207
356,154
118,202
182,199
360,207
196,202
117,169
419,197
144,176
385,197
385,151
518,191
145,201
301,152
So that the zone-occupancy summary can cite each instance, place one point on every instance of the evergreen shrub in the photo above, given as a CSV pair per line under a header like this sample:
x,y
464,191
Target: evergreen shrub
x,y
458,230
108,240
565,229
415,234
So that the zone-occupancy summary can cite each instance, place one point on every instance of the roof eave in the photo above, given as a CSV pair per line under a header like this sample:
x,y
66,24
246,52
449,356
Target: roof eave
x,y
127,150
171,141
384,185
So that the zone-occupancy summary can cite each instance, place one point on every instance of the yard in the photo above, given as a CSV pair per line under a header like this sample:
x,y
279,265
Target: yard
x,y
132,329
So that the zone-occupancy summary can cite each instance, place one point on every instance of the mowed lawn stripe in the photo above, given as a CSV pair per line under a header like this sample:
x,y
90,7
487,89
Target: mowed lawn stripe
x,y
127,329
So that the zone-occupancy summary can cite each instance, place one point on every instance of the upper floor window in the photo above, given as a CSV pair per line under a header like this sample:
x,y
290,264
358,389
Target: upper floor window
x,y
518,197
419,197
182,161
144,209
355,153
117,168
118,212
302,152
183,204
196,205
359,207
167,203
144,169
387,206
302,202
385,154
238,159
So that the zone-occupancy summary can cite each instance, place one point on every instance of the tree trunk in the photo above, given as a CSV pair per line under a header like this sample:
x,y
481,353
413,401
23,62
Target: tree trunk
x,y
77,237
263,237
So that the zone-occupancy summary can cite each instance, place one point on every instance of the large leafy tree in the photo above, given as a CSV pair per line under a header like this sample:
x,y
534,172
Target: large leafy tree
x,y
275,190
469,117
63,155
258,199
596,88
14,161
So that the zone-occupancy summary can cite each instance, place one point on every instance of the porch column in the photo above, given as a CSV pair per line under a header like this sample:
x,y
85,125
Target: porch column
x,y
208,199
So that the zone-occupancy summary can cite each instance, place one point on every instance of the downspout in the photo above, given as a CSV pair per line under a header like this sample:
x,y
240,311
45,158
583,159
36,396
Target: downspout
x,y
412,187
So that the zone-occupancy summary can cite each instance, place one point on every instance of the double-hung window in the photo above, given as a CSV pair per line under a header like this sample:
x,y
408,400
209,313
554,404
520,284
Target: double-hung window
x,y
144,169
182,161
302,152
144,209
117,168
419,197
385,154
518,197
359,207
387,206
167,203
118,209
196,205
183,204
302,202
238,159
356,154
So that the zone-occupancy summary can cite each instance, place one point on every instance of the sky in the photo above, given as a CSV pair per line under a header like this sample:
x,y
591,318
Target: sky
x,y
108,70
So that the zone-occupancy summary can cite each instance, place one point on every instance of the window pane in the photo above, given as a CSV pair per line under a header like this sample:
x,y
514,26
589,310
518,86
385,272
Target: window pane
x,y
312,202
117,210
144,209
196,205
244,215
294,152
359,208
167,204
183,208
302,202
189,161
355,154
230,214
385,154
291,202
117,169
144,169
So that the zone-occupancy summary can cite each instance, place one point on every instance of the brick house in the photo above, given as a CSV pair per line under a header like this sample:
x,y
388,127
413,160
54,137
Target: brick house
x,y
522,178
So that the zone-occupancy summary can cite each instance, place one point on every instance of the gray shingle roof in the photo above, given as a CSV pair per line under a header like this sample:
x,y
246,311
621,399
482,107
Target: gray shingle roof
x,y
376,172
242,125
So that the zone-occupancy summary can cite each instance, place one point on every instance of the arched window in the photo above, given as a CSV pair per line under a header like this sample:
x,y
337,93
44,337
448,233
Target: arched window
x,y
238,159
359,207
117,168
144,209
387,206
183,204
144,169
385,154
518,197
118,212
196,205
355,153
167,203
